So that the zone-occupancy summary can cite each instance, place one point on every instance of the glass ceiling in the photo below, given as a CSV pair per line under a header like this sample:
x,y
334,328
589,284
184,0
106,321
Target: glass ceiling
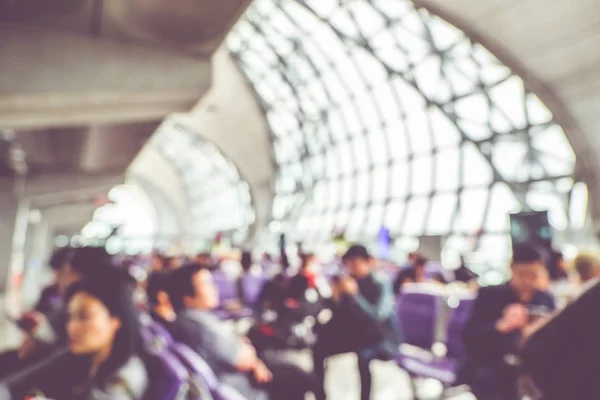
x,y
129,209
218,197
382,114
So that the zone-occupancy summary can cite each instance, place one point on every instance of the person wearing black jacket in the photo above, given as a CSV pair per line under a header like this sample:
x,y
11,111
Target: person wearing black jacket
x,y
561,357
47,332
499,316
363,320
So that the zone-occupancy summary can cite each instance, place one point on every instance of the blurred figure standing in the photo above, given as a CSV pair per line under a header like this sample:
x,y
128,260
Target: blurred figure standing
x,y
363,320
499,316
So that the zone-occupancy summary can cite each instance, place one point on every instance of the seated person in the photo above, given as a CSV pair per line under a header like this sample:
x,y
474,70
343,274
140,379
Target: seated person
x,y
463,273
415,273
160,306
44,332
308,277
587,266
296,310
568,370
273,293
234,361
364,306
103,339
500,314
51,298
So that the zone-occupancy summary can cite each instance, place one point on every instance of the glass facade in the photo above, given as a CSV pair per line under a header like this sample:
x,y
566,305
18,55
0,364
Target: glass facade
x,y
218,197
382,114
130,210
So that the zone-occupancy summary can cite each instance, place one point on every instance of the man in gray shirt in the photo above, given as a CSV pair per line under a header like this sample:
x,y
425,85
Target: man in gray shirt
x,y
232,358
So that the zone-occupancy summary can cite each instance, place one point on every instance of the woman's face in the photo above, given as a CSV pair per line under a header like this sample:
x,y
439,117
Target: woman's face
x,y
91,328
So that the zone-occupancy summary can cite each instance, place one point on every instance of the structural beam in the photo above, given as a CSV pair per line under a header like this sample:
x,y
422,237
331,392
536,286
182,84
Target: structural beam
x,y
53,189
60,78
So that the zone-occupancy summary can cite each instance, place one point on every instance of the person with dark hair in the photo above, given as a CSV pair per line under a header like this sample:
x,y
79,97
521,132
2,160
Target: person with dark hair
x,y
414,273
232,358
273,293
557,268
161,309
498,318
50,298
103,343
46,332
364,306
463,273
306,278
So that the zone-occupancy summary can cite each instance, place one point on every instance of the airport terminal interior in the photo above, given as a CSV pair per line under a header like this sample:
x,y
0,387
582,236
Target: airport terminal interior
x,y
442,144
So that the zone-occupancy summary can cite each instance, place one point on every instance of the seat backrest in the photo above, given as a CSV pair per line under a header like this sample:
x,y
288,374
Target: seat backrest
x,y
168,377
227,287
160,331
459,314
418,314
228,393
194,363
252,287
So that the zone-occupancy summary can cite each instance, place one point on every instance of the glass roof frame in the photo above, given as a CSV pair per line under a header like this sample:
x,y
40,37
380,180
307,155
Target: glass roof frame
x,y
331,76
219,198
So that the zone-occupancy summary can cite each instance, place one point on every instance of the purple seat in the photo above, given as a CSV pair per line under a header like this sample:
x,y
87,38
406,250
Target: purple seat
x,y
228,292
457,319
200,369
417,313
252,287
196,364
226,286
425,364
442,369
234,314
168,377
161,332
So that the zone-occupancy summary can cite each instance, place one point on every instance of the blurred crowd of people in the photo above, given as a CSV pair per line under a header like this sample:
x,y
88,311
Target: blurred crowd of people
x,y
82,339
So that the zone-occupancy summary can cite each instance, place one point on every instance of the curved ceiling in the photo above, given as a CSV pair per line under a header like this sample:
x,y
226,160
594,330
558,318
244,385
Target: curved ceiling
x,y
229,117
555,46
382,114
92,79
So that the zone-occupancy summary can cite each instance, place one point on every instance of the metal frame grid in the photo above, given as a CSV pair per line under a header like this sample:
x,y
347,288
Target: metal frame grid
x,y
219,198
382,114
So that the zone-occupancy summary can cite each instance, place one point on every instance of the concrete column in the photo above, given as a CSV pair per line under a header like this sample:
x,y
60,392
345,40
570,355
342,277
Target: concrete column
x,y
42,242
36,274
9,207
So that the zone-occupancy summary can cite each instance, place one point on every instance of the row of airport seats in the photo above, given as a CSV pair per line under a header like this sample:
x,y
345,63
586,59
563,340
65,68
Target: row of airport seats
x,y
228,293
176,371
432,320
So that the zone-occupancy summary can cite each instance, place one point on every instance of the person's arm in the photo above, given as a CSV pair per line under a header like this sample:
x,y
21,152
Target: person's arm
x,y
383,307
245,359
481,334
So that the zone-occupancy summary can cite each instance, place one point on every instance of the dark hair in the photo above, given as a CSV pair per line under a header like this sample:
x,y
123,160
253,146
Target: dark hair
x,y
60,257
117,297
421,261
304,259
246,260
157,282
180,284
90,261
525,254
356,251
554,269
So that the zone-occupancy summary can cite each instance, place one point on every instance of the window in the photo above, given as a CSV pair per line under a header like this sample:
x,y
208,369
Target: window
x,y
425,131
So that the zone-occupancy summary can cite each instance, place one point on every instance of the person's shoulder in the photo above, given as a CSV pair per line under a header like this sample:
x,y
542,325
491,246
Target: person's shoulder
x,y
135,375
381,277
492,291
129,382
